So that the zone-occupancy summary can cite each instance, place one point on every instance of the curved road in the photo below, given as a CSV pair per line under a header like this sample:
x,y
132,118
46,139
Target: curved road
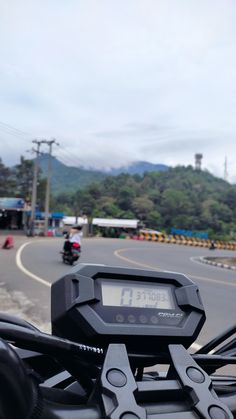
x,y
41,264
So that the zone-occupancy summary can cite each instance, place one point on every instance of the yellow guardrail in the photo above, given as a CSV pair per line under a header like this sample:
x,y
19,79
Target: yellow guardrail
x,y
183,240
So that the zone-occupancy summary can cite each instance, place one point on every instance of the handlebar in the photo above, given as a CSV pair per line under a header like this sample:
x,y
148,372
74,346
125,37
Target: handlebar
x,y
18,392
186,392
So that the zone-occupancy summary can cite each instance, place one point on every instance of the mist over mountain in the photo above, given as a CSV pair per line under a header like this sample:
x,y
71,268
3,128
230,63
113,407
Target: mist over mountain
x,y
138,167
68,178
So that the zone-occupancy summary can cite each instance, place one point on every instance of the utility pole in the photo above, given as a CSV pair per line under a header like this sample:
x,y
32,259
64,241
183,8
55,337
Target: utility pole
x,y
47,196
34,188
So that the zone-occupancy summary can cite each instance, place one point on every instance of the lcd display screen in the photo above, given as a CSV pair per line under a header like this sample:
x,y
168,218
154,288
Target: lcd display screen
x,y
138,295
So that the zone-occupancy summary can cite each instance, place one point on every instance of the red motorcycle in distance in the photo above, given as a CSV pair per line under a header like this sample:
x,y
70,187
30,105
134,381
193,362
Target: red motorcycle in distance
x,y
72,255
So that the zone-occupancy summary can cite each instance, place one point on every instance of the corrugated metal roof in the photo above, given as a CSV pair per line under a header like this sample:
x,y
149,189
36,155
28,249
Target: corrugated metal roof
x,y
12,203
115,222
71,220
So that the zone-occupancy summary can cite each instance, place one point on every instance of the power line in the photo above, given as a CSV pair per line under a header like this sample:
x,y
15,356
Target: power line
x,y
67,160
69,157
17,131
15,134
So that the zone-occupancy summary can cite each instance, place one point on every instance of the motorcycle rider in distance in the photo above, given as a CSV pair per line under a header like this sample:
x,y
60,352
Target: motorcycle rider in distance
x,y
74,236
212,245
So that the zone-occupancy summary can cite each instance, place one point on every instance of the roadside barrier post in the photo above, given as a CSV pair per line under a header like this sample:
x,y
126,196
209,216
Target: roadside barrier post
x,y
9,243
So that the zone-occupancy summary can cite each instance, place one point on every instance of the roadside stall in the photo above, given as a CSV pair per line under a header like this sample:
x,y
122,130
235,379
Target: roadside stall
x,y
12,211
114,227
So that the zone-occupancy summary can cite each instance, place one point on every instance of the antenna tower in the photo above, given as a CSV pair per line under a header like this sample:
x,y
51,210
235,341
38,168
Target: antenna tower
x,y
198,161
226,169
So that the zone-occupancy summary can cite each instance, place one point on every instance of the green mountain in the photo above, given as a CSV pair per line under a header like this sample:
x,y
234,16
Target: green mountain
x,y
69,179
181,198
66,178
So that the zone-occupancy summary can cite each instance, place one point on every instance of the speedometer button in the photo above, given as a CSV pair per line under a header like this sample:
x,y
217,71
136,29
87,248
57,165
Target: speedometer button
x,y
131,318
120,318
143,319
154,319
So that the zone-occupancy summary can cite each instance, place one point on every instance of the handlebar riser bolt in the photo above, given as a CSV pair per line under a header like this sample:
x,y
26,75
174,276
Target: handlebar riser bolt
x,y
195,375
217,412
116,377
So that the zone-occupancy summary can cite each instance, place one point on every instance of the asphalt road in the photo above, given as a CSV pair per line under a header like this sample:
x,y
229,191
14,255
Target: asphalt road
x,y
39,265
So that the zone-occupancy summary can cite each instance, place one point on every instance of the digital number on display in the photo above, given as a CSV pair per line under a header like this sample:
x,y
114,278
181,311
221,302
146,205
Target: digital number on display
x,y
132,295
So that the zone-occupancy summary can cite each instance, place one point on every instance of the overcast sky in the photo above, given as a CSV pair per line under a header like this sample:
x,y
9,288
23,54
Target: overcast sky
x,y
120,80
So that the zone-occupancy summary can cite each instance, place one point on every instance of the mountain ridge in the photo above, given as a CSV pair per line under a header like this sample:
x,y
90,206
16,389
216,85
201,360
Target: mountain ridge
x,y
71,178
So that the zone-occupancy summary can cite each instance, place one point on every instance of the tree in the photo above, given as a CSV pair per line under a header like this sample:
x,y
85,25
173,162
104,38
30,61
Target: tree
x,y
83,203
154,220
174,203
125,197
95,190
215,214
229,198
142,206
181,198
23,177
107,206
7,183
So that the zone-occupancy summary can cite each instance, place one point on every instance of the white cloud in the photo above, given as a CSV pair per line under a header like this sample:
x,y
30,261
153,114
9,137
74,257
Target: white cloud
x,y
117,81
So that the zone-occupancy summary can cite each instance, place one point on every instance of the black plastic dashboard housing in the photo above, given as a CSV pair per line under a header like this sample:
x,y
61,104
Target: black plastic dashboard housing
x,y
78,311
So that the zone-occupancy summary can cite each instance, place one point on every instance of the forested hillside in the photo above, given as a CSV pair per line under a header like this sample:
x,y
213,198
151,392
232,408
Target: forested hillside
x,y
180,197
67,178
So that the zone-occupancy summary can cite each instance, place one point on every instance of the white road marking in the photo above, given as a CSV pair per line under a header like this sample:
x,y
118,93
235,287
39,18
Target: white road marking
x,y
117,254
26,271
202,278
217,281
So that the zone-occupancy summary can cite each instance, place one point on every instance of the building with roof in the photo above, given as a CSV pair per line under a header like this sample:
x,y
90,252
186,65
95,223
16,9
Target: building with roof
x,y
12,212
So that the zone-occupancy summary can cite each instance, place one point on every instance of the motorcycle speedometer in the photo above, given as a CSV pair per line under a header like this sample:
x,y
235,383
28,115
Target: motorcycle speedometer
x,y
146,310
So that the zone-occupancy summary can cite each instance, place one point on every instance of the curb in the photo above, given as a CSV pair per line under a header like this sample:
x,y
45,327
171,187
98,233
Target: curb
x,y
218,264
